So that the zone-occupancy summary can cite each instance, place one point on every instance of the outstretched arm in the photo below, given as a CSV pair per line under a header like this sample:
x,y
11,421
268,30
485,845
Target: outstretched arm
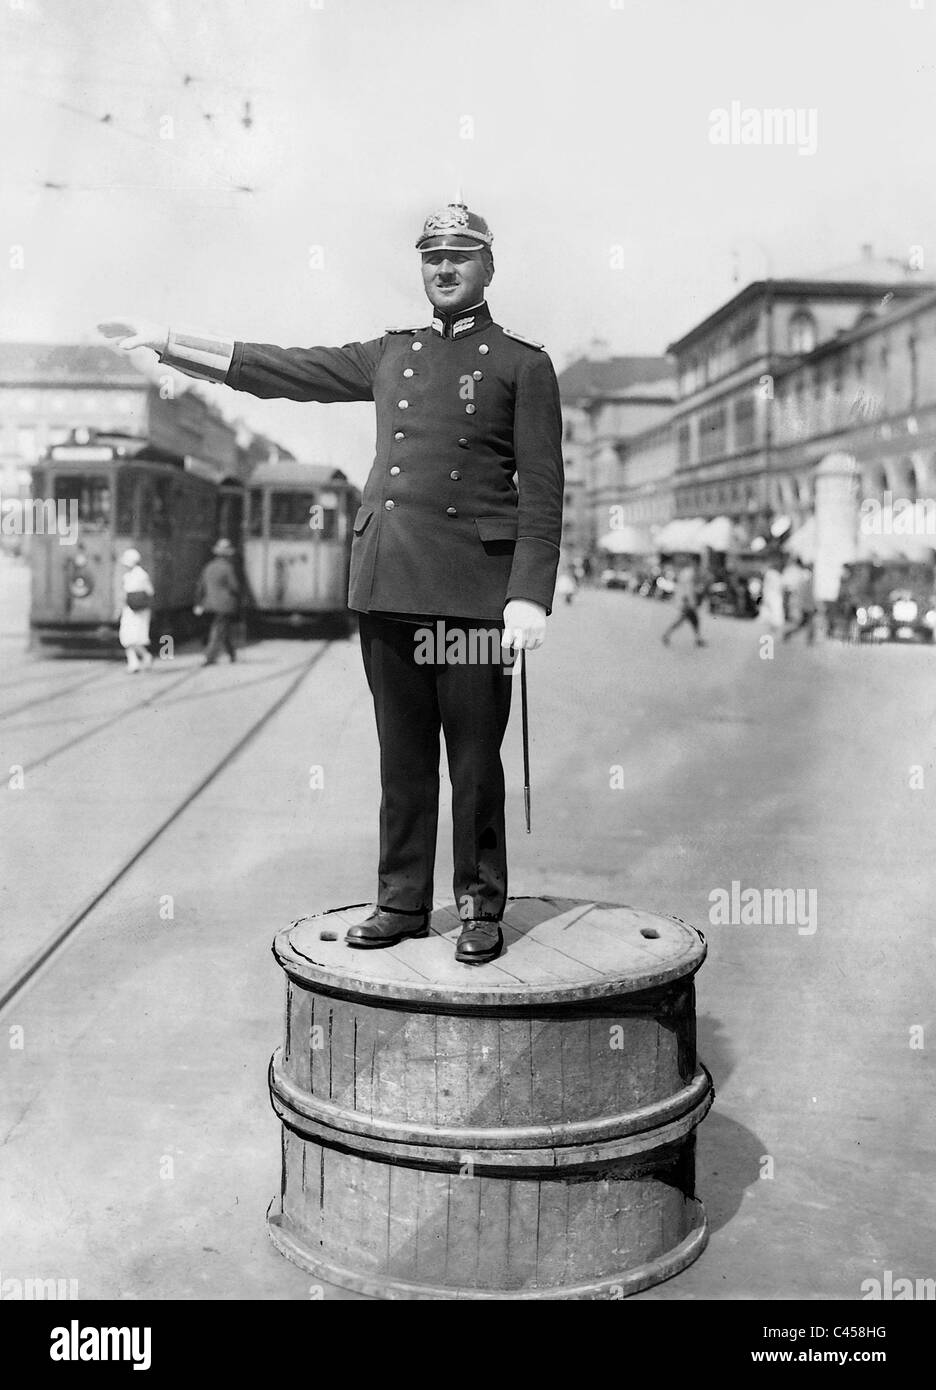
x,y
325,374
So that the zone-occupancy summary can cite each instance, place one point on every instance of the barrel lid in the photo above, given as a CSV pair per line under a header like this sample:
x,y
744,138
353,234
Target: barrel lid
x,y
558,950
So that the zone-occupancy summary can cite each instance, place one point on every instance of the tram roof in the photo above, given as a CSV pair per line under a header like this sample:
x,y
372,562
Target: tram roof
x,y
291,473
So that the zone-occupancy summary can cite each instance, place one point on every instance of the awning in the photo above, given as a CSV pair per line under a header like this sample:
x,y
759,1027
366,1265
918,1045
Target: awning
x,y
887,546
718,534
682,536
627,540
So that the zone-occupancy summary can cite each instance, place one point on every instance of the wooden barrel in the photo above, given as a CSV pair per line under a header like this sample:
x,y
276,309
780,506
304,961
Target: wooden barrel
x,y
523,1129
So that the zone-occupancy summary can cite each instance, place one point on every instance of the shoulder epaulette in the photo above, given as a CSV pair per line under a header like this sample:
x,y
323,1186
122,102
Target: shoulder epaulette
x,y
518,337
420,329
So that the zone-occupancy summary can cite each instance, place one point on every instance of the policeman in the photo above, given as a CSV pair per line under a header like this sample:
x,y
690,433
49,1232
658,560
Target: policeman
x,y
457,534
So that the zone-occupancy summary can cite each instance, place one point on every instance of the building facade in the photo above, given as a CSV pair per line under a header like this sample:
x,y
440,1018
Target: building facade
x,y
605,403
782,375
726,419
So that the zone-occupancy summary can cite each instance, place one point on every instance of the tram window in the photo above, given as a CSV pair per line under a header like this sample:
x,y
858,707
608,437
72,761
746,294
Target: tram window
x,y
197,514
126,503
256,512
162,507
91,494
298,512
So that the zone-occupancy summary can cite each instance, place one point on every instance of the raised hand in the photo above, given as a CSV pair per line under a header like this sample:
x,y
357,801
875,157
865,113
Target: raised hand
x,y
136,333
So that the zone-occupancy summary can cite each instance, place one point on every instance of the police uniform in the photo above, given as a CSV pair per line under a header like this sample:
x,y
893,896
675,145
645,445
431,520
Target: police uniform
x,y
461,513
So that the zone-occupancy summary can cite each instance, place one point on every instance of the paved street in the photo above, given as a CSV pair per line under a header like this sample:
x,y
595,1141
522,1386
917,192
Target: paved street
x,y
139,1151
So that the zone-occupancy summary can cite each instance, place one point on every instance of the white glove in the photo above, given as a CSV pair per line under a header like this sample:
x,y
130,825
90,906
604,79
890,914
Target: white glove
x,y
136,333
524,625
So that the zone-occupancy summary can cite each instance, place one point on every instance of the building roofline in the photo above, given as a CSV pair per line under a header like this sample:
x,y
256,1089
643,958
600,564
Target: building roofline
x,y
879,323
791,289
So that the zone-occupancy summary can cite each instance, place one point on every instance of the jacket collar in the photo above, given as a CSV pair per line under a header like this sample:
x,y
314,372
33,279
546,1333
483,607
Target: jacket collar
x,y
462,323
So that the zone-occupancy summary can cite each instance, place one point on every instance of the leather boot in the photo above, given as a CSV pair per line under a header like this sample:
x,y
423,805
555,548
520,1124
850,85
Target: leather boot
x,y
387,928
481,941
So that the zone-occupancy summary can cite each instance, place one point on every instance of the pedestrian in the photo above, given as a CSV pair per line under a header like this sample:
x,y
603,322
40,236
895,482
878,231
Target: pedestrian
x,y
443,535
134,631
219,593
771,600
566,585
798,582
686,597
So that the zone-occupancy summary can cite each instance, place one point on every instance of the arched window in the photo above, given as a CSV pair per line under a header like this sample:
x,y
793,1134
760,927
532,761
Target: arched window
x,y
802,331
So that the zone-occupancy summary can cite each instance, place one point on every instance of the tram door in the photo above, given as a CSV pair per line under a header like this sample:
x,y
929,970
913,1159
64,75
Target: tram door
x,y
78,578
231,514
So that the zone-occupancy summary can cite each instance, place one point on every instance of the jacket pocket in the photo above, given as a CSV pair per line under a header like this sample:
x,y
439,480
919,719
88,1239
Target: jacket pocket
x,y
497,528
364,515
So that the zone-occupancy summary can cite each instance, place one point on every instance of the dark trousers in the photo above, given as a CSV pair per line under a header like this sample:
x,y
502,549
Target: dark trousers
x,y
221,636
688,614
807,620
469,701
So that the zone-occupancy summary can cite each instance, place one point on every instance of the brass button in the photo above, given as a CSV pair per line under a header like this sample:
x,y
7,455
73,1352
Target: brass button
x,y
483,348
470,409
455,475
399,435
404,405
478,376
463,444
451,511
389,506
394,470
408,371
415,346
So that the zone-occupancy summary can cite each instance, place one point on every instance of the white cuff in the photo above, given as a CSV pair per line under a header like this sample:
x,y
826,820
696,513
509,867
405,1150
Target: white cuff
x,y
208,358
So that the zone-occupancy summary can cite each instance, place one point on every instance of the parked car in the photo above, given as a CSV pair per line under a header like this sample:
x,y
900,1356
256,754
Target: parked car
x,y
891,602
734,596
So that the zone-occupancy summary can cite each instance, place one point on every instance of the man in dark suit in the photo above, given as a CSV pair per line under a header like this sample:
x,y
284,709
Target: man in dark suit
x,y
459,525
219,593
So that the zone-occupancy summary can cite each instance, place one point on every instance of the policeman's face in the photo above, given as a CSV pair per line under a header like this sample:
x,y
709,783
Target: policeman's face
x,y
454,280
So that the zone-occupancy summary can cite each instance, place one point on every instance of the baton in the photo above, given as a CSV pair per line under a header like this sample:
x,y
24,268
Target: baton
x,y
526,738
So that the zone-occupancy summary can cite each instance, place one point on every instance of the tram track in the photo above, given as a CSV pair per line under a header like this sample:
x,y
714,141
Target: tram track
x,y
46,955
57,694
109,723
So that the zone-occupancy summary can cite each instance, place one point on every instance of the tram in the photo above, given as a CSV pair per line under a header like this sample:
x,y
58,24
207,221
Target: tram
x,y
99,494
297,546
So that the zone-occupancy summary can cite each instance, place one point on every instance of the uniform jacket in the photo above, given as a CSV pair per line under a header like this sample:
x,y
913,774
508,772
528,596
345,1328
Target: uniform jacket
x,y
462,510
218,587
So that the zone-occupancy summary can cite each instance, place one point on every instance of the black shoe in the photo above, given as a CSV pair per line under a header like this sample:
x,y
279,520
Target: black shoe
x,y
387,928
481,941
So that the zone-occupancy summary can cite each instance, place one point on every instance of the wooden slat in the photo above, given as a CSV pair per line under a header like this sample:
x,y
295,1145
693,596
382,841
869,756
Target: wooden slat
x,y
482,1069
553,1243
451,1071
494,1198
432,1232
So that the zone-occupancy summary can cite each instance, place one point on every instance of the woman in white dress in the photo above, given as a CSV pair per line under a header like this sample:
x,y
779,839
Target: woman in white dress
x,y
134,631
771,604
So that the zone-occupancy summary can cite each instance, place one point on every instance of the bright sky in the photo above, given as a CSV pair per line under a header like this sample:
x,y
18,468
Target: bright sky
x,y
589,124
